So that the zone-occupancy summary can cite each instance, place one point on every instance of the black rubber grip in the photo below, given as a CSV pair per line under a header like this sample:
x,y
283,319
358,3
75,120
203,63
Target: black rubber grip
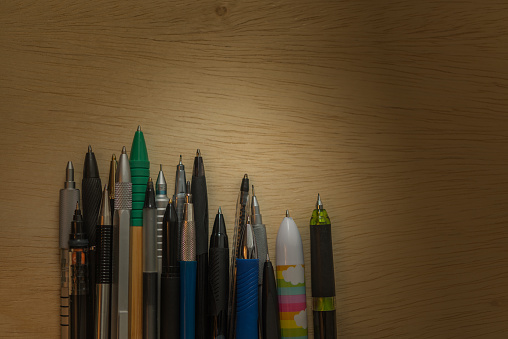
x,y
321,251
202,321
325,326
170,307
104,254
200,201
150,305
219,289
92,195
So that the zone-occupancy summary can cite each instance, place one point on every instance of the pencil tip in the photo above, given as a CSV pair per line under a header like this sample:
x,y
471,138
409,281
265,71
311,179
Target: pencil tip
x,y
287,213
124,150
89,148
220,210
198,153
139,128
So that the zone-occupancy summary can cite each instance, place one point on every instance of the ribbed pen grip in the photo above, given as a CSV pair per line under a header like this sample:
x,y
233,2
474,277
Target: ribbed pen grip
x,y
123,196
247,298
321,251
104,255
261,242
219,280
92,196
68,199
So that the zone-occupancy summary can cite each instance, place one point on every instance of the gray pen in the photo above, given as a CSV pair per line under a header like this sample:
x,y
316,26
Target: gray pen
x,y
103,271
262,244
150,292
69,195
161,201
121,229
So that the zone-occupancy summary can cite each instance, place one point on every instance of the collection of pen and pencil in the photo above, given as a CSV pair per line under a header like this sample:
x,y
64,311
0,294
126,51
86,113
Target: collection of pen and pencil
x,y
136,264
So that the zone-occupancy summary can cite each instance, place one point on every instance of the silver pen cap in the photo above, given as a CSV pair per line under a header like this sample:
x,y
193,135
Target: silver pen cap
x,y
256,217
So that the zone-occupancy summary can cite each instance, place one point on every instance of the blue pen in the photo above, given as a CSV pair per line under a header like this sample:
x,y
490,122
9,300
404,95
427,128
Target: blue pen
x,y
188,267
247,272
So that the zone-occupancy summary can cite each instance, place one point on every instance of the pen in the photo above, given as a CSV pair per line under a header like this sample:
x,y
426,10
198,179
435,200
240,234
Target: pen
x,y
270,306
121,236
262,245
103,271
247,286
240,219
188,266
150,264
140,171
92,194
291,280
69,195
200,202
179,197
111,185
322,274
218,277
170,278
161,201
78,269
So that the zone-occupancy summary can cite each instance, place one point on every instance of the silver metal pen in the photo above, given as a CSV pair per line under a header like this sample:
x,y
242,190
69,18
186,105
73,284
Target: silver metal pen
x,y
69,196
179,196
121,229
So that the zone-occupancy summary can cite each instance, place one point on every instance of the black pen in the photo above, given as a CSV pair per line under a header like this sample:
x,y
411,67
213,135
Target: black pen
x,y
270,305
78,269
92,193
218,277
170,277
322,274
113,165
200,200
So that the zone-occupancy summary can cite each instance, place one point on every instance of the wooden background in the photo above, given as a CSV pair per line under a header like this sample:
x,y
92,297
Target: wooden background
x,y
393,110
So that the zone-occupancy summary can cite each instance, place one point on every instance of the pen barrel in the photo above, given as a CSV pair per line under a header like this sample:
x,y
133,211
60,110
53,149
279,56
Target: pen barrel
x,y
188,299
170,307
321,251
247,298
64,293
202,319
78,270
149,240
78,324
323,282
102,311
150,305
270,304
219,289
161,202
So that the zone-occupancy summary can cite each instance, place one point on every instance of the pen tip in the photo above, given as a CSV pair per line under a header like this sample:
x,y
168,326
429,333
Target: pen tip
x,y
89,148
139,128
319,203
105,186
160,168
124,150
77,205
150,179
113,157
248,219
253,190
220,210
180,160
246,176
287,213
69,165
170,201
198,153
267,257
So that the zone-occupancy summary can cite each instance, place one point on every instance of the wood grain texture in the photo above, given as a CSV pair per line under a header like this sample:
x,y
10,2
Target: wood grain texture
x,y
393,110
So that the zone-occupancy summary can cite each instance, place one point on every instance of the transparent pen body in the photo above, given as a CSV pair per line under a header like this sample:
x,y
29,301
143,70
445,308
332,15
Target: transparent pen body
x,y
78,291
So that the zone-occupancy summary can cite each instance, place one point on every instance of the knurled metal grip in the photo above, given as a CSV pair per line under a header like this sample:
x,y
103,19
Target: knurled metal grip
x,y
188,241
92,196
262,246
123,196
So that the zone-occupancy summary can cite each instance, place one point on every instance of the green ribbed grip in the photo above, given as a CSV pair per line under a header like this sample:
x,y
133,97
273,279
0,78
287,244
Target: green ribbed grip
x,y
140,171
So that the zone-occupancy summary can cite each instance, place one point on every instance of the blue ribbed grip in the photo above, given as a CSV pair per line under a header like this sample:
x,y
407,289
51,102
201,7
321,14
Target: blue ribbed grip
x,y
247,272
188,299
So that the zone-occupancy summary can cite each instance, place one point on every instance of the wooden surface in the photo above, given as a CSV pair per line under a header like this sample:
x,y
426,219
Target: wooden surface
x,y
395,111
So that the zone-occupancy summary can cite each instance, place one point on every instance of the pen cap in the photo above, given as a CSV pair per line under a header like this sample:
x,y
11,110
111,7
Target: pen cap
x,y
289,246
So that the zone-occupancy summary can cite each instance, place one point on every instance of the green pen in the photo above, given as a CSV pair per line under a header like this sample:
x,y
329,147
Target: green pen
x,y
140,172
322,274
